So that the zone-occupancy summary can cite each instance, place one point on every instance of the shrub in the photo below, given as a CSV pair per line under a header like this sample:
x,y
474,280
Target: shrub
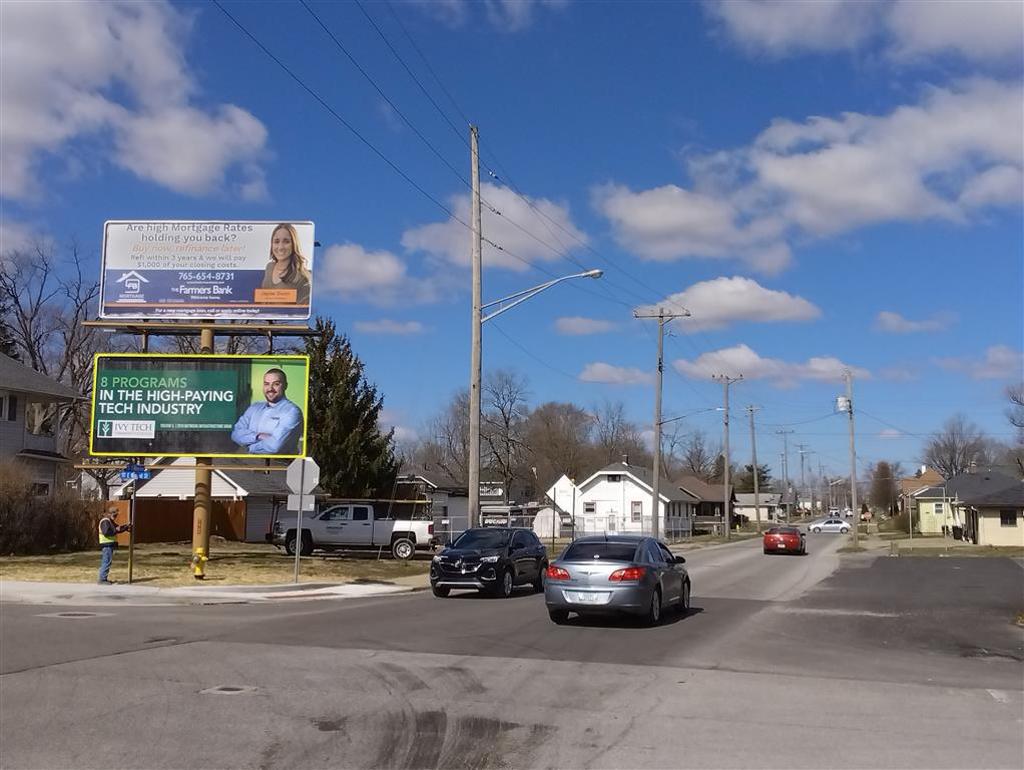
x,y
34,525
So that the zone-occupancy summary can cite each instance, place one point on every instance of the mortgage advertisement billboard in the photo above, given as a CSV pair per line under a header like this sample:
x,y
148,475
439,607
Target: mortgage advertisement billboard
x,y
156,405
232,270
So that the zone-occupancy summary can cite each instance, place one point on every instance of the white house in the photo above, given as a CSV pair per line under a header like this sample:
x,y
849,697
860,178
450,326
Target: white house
x,y
449,499
769,506
617,499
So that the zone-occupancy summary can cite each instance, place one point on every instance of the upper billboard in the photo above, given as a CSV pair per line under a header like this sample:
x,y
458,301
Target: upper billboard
x,y
232,270
158,405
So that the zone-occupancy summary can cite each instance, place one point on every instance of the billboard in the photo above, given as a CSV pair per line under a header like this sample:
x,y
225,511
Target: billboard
x,y
157,405
234,270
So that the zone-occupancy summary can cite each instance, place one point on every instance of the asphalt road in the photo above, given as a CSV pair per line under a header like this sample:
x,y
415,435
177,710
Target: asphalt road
x,y
784,661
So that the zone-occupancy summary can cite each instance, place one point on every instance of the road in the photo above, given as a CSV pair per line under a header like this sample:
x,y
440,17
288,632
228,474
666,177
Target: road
x,y
784,661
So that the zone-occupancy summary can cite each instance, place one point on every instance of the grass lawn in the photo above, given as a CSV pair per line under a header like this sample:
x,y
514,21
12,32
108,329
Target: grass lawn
x,y
167,564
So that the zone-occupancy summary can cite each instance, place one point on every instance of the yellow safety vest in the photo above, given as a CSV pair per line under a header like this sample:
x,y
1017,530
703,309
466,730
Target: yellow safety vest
x,y
106,539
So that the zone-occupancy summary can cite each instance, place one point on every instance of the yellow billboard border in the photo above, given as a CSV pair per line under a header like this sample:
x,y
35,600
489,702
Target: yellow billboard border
x,y
207,357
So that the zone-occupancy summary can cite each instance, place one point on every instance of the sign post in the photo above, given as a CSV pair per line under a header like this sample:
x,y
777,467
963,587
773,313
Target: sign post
x,y
302,476
133,472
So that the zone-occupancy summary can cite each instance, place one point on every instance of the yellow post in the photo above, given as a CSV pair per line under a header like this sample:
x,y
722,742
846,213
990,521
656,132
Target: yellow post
x,y
204,479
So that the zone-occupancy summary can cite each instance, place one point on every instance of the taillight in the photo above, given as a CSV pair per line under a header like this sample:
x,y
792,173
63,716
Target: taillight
x,y
430,529
629,574
556,573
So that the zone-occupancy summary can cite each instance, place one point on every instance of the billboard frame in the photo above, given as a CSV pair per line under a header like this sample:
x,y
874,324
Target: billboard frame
x,y
211,357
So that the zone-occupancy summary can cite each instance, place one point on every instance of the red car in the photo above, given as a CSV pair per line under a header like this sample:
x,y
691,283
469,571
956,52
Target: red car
x,y
785,540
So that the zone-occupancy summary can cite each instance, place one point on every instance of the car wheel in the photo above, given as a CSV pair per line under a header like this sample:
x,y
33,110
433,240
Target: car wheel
x,y
504,588
403,549
816,529
538,584
843,531
289,544
440,591
307,544
653,615
684,598
561,617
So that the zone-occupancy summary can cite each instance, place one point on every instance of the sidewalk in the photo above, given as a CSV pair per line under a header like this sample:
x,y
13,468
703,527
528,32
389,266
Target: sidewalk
x,y
90,594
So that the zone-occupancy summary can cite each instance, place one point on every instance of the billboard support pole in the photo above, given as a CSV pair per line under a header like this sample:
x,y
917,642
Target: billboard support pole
x,y
204,478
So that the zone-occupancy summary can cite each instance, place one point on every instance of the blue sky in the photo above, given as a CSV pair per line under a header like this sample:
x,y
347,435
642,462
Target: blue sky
x,y
823,185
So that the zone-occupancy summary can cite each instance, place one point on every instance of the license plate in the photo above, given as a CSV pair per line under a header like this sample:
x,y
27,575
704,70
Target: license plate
x,y
780,545
588,597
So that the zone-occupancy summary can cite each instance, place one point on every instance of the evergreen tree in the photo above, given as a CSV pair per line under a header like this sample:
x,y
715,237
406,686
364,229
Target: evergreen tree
x,y
745,478
356,459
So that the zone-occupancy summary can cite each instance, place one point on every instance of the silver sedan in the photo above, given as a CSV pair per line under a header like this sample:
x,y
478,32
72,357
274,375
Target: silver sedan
x,y
829,525
613,574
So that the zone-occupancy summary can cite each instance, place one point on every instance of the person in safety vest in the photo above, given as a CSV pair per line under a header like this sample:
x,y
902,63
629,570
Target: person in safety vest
x,y
108,530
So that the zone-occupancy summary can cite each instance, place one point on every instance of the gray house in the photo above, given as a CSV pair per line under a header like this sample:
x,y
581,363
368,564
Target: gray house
x,y
30,411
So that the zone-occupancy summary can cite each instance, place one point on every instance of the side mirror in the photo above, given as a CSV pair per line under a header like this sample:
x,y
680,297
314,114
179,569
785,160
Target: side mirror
x,y
679,560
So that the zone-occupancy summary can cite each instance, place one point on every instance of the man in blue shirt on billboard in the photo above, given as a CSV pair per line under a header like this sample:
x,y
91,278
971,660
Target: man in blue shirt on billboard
x,y
273,426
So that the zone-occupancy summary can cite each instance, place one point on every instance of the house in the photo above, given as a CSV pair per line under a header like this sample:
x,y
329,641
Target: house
x,y
244,503
449,499
617,499
710,500
769,506
30,424
925,479
935,514
991,505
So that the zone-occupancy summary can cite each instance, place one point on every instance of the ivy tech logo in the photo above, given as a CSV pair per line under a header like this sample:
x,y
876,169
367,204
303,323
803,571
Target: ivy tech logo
x,y
104,428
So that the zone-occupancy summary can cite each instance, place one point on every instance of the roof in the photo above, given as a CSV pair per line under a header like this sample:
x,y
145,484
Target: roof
x,y
930,477
1012,497
435,477
981,483
930,492
767,498
15,376
711,493
42,454
667,490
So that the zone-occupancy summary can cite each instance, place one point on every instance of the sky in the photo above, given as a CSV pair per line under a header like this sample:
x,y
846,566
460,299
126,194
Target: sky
x,y
822,186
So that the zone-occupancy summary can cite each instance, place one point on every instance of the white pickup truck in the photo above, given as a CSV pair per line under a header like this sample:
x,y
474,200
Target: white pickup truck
x,y
356,525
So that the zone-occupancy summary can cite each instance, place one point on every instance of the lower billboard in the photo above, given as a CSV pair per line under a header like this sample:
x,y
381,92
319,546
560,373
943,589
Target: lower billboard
x,y
157,405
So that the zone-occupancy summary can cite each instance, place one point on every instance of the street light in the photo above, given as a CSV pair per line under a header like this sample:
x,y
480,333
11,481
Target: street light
x,y
474,383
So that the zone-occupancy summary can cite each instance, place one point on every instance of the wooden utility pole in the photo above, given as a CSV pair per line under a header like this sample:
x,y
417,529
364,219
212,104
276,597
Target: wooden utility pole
x,y
753,459
726,381
476,251
853,457
662,317
204,476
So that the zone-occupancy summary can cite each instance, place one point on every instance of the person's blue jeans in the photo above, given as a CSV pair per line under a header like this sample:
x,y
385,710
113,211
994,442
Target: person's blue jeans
x,y
106,557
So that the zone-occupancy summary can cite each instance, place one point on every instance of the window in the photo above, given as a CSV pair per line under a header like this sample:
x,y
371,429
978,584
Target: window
x,y
9,408
636,510
1007,518
652,554
360,513
338,513
584,550
40,418
667,556
938,509
614,478
40,490
590,507
519,540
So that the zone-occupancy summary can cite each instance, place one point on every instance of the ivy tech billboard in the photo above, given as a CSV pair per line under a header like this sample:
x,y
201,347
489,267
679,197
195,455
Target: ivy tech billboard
x,y
176,269
154,405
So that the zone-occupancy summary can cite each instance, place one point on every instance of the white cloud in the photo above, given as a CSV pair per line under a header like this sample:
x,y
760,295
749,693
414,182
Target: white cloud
x,y
977,30
899,373
722,301
781,26
1000,362
388,326
889,321
669,222
59,72
450,241
615,375
946,157
374,277
503,15
742,360
15,236
391,420
889,433
577,325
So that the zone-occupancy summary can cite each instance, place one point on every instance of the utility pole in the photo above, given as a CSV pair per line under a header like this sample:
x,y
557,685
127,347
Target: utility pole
x,y
848,376
753,459
785,455
204,478
477,328
662,317
803,483
726,381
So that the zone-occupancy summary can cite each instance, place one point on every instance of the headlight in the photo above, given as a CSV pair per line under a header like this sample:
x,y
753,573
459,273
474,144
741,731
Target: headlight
x,y
437,558
489,559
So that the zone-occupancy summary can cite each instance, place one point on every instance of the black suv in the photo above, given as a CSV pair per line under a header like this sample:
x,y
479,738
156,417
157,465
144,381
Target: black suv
x,y
491,560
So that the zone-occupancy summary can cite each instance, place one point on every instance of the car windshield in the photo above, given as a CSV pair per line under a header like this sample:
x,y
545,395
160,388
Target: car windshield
x,y
483,538
787,530
607,550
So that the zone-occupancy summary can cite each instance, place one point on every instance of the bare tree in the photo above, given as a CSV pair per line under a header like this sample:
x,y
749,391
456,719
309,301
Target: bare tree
x,y
616,437
952,450
45,300
1015,412
447,445
558,440
502,424
700,458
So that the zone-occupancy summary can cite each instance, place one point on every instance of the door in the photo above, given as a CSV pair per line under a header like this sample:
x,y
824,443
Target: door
x,y
526,569
360,529
673,583
335,522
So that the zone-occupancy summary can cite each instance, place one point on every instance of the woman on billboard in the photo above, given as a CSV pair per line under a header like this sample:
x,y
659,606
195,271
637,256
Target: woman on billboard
x,y
287,268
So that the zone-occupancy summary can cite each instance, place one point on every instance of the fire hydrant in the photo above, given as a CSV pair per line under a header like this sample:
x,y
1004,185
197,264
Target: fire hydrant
x,y
199,559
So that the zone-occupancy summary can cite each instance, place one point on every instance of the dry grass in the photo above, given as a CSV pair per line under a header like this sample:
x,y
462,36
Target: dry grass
x,y
167,564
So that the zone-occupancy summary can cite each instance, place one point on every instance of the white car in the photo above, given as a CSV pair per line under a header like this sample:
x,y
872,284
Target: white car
x,y
829,525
